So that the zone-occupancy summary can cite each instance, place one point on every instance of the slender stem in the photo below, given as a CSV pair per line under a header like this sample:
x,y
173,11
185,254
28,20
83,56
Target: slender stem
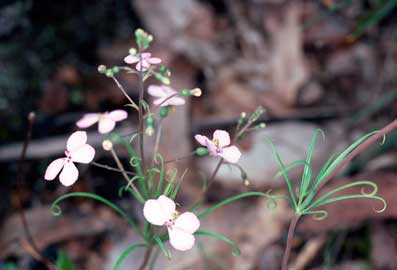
x,y
107,167
140,111
123,172
146,258
157,142
124,92
211,179
20,176
290,238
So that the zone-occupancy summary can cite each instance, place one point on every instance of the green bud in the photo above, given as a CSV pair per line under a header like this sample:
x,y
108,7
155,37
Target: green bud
x,y
201,151
115,70
164,112
185,92
258,112
161,78
109,73
149,121
102,69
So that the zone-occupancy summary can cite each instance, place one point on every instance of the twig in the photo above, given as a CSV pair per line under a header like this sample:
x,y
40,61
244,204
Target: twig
x,y
107,167
20,177
120,86
290,238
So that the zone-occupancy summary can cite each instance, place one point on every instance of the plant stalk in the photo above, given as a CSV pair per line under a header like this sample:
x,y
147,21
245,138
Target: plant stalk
x,y
290,238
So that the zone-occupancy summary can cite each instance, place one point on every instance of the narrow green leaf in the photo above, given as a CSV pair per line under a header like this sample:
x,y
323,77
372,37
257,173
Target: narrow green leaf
x,y
285,173
162,247
127,252
158,158
238,197
56,209
235,251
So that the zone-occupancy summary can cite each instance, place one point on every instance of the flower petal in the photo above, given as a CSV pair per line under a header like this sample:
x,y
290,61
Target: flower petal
x,y
83,154
130,59
188,222
175,101
106,125
154,60
77,139
144,65
88,120
157,212
54,168
118,115
231,154
146,55
201,139
69,174
180,239
156,91
223,137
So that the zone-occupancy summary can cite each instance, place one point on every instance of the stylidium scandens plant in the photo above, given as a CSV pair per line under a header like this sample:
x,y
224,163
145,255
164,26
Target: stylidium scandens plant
x,y
147,179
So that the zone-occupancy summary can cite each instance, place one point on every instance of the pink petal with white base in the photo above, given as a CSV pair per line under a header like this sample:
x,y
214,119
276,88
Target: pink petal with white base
x,y
77,139
222,137
201,139
69,174
54,168
88,120
130,59
154,60
118,115
180,239
83,154
143,64
106,125
230,154
156,91
188,222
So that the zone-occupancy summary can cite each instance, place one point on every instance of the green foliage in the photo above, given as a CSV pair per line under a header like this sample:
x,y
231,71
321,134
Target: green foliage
x,y
63,262
302,200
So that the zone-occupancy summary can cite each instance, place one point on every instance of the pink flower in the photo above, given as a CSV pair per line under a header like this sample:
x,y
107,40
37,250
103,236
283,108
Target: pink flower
x,y
107,120
147,61
218,146
166,96
76,151
161,212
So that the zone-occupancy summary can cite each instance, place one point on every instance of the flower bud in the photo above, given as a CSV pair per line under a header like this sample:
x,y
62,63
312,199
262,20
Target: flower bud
x,y
149,131
107,145
163,112
132,51
109,73
185,92
201,151
115,70
102,69
246,182
196,92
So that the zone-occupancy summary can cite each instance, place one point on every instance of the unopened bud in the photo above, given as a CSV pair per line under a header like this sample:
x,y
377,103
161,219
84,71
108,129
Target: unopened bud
x,y
107,145
149,131
246,182
132,51
102,69
196,92
201,151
